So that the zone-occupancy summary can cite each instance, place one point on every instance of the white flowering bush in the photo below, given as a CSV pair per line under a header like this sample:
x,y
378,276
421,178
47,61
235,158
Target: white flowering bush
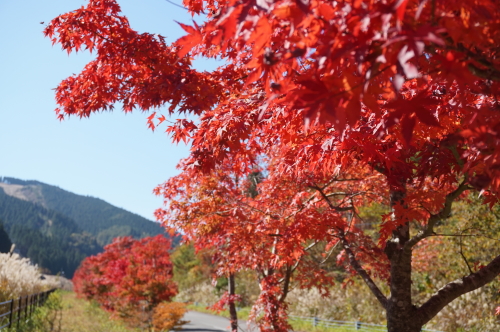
x,y
18,277
353,302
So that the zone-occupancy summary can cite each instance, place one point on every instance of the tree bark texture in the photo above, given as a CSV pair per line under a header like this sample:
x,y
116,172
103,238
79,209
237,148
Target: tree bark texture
x,y
400,309
233,316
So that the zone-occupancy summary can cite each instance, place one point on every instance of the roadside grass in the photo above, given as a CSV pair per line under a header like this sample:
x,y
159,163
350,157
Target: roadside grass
x,y
79,315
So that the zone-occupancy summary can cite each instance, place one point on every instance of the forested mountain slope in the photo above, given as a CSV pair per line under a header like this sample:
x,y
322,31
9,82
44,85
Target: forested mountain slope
x,y
93,215
57,229
50,239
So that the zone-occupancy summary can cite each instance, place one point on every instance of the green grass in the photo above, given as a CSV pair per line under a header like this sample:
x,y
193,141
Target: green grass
x,y
79,315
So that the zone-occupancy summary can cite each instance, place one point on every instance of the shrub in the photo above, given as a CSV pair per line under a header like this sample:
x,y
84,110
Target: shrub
x,y
167,316
129,278
18,277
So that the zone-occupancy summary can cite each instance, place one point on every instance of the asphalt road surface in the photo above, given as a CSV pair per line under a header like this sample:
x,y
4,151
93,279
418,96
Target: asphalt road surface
x,y
200,322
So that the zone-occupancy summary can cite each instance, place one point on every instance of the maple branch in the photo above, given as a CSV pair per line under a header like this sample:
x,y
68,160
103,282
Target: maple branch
x,y
491,73
330,204
303,206
286,285
309,247
434,218
337,194
173,3
254,208
461,235
467,235
314,195
294,267
457,288
329,254
366,277
463,256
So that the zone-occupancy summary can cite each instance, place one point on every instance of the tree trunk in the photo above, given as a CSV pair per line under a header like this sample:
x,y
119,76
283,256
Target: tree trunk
x,y
233,316
400,311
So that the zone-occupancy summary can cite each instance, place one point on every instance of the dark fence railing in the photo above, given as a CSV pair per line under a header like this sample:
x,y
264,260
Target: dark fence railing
x,y
14,310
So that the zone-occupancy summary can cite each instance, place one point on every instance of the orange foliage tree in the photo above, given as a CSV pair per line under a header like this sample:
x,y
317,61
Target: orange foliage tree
x,y
130,277
404,90
239,212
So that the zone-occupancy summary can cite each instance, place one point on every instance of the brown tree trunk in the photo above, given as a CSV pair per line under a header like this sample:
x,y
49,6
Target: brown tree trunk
x,y
233,316
400,311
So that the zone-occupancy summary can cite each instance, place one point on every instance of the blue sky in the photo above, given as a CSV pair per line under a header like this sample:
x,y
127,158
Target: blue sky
x,y
111,156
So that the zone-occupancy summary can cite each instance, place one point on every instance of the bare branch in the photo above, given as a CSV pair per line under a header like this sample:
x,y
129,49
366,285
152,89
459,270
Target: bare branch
x,y
463,256
467,235
434,218
177,5
329,254
309,247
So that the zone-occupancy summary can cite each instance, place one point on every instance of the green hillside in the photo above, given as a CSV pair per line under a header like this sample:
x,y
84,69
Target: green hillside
x,y
93,215
48,238
57,229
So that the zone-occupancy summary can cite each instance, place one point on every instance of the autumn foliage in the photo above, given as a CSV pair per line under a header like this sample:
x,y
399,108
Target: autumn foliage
x,y
129,278
338,103
168,316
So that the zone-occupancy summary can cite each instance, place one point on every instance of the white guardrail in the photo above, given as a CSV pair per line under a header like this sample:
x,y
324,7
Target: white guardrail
x,y
347,325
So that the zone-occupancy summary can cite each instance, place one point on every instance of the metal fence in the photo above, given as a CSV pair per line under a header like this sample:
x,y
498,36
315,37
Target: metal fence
x,y
14,310
346,325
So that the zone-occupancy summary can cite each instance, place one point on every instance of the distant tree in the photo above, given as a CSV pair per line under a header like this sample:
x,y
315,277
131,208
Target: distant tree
x,y
5,243
130,278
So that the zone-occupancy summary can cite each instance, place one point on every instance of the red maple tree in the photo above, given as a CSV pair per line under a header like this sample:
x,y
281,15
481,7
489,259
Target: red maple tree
x,y
129,277
239,213
404,90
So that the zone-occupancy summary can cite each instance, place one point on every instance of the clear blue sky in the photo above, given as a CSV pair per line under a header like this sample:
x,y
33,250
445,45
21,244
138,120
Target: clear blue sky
x,y
111,156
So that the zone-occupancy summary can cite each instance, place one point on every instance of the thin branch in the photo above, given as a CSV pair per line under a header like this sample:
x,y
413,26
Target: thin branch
x,y
329,254
309,247
434,218
294,267
463,257
286,285
337,194
330,204
466,235
173,3
366,277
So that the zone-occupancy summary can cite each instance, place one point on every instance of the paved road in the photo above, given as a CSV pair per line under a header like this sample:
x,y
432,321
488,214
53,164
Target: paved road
x,y
200,322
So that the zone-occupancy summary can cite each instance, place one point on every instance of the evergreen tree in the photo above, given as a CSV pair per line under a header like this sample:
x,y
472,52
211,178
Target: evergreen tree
x,y
5,243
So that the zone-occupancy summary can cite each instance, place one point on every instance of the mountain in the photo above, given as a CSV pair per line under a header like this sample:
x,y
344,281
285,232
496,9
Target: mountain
x,y
50,239
93,215
57,229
